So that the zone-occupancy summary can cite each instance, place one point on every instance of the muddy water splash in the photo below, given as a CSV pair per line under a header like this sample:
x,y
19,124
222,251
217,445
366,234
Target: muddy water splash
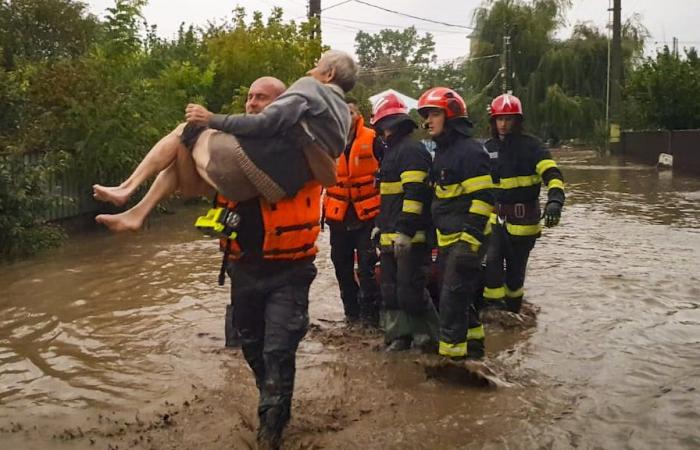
x,y
122,322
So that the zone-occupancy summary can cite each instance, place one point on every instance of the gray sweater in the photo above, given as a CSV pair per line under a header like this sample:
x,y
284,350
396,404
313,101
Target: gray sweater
x,y
319,108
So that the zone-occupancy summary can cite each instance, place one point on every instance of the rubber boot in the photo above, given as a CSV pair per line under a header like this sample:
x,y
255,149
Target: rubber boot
x,y
498,305
272,423
475,349
514,304
398,345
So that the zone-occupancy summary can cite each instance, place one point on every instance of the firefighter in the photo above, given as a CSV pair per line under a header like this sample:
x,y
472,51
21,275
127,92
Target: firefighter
x,y
409,316
463,200
349,208
519,166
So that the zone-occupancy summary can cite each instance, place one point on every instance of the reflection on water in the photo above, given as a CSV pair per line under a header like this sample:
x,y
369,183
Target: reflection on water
x,y
117,321
108,320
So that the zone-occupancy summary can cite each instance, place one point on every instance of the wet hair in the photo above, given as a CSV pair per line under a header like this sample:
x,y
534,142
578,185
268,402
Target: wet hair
x,y
346,69
517,127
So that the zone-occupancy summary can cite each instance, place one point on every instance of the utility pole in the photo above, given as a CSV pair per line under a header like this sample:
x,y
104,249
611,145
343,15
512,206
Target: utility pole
x,y
615,81
507,66
675,47
315,14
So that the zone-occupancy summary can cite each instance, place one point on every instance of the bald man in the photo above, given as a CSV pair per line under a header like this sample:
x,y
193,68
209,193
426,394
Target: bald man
x,y
261,93
270,261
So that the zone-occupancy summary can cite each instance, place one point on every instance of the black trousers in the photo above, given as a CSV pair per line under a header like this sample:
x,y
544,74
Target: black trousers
x,y
408,308
359,301
506,264
460,288
271,310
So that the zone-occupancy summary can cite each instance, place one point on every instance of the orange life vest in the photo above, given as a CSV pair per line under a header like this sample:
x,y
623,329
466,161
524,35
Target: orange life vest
x,y
356,180
291,225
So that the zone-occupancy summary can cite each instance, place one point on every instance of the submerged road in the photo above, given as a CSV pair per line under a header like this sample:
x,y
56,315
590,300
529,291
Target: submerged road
x,y
117,325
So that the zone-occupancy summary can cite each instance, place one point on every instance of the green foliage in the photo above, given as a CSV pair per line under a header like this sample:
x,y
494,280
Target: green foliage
x,y
396,59
665,92
23,202
563,84
96,95
39,30
242,52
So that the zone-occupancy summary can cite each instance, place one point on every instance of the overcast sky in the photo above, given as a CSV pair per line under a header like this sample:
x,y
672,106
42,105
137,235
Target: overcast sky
x,y
664,19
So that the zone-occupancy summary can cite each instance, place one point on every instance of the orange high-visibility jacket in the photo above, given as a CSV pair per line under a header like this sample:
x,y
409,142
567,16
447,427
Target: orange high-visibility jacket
x,y
356,180
291,225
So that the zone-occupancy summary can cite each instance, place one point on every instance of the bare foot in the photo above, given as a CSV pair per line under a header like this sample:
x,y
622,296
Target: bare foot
x,y
116,195
126,221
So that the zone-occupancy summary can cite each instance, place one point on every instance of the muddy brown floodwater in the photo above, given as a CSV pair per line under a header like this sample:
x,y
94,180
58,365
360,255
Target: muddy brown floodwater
x,y
117,342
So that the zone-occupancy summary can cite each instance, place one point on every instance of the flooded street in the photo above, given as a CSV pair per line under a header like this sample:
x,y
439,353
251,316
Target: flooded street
x,y
117,341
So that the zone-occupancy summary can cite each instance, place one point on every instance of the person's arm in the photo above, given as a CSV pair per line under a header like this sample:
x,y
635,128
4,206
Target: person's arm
x,y
279,116
415,168
478,185
551,176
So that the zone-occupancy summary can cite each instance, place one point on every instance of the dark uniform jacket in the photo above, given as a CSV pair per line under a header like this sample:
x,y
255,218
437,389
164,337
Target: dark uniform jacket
x,y
519,166
464,197
405,190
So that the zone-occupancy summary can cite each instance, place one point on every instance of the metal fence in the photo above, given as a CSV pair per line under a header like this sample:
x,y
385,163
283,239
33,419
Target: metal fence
x,y
71,196
645,147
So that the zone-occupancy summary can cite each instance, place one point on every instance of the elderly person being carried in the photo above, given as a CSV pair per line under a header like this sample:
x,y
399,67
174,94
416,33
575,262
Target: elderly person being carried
x,y
272,154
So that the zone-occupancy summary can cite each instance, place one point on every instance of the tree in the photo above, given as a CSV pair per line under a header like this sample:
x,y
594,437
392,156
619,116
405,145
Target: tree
x,y
568,75
665,92
242,52
37,30
394,59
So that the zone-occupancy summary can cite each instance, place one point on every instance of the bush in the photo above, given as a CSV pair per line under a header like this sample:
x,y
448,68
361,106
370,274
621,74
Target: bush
x,y
23,201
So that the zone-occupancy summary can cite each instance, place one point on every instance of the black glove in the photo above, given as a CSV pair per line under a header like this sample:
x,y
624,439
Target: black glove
x,y
552,213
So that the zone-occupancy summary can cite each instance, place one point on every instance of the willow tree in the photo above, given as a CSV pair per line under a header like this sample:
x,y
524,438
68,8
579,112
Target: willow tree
x,y
562,83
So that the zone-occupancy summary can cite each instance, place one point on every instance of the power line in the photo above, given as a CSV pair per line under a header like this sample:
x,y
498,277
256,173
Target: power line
x,y
362,2
338,19
382,70
337,4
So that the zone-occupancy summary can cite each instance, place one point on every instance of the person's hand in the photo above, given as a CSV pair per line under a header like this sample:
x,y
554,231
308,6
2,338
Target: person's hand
x,y
552,214
402,245
197,115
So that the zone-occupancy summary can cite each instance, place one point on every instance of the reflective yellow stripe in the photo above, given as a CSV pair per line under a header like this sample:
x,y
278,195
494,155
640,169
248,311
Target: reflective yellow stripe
x,y
391,188
477,183
516,293
388,238
476,333
523,230
488,228
480,207
447,349
445,240
494,293
449,191
493,218
516,182
544,165
413,176
412,206
555,183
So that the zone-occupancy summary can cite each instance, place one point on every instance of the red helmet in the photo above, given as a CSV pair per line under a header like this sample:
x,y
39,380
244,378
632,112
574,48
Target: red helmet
x,y
388,105
506,105
442,98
